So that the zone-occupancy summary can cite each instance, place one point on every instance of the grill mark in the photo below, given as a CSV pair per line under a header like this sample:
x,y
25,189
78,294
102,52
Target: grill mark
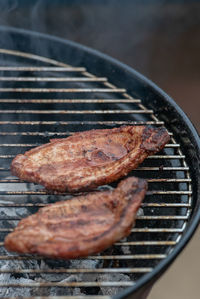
x,y
153,139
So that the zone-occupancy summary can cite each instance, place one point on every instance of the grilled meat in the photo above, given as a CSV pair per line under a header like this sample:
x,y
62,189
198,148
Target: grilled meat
x,y
82,225
88,159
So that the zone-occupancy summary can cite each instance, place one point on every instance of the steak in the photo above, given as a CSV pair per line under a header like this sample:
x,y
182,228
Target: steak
x,y
88,159
82,225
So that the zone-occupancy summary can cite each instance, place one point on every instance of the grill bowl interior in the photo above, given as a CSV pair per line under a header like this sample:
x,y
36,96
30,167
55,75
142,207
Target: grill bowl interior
x,y
51,95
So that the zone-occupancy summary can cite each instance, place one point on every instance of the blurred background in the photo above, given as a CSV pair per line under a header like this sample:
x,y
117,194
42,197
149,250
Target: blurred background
x,y
160,39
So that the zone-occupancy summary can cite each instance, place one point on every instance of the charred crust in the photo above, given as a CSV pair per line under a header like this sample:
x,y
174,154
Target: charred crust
x,y
154,139
137,187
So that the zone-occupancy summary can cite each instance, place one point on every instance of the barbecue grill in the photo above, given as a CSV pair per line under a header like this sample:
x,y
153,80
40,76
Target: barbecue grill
x,y
51,88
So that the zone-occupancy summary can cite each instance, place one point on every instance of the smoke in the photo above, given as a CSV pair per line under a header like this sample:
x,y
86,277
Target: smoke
x,y
8,6
144,34
122,29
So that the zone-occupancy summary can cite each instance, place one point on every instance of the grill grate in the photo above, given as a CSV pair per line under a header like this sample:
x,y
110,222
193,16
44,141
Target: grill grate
x,y
29,117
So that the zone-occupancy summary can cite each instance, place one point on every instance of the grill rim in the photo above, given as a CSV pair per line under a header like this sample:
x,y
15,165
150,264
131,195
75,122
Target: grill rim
x,y
148,279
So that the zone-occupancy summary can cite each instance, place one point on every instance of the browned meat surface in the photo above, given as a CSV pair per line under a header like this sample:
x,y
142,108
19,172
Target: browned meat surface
x,y
82,225
88,159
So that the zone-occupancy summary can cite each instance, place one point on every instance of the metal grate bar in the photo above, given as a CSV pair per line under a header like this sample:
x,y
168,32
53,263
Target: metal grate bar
x,y
10,181
46,134
19,144
44,192
145,243
150,157
159,205
102,270
163,168
41,69
134,256
167,205
96,257
138,169
185,180
56,90
66,123
75,111
137,243
167,157
33,57
158,230
53,79
61,101
168,217
37,144
28,193
172,145
149,180
68,284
